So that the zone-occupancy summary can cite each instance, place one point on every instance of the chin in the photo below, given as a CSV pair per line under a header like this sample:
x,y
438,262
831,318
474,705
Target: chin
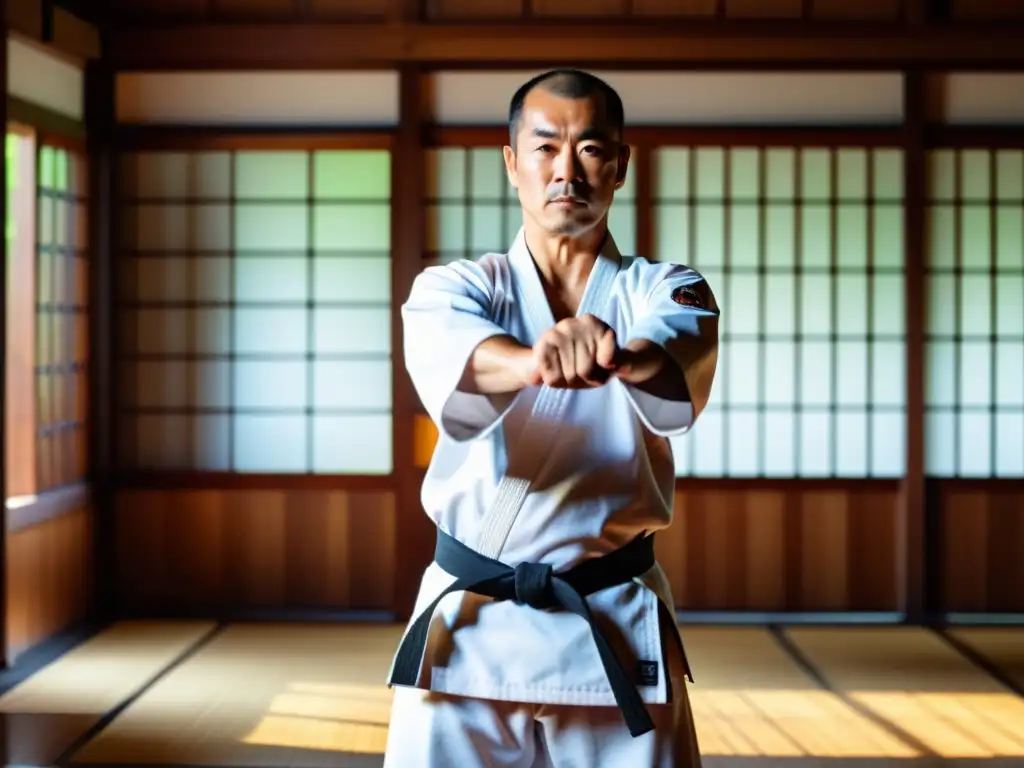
x,y
571,227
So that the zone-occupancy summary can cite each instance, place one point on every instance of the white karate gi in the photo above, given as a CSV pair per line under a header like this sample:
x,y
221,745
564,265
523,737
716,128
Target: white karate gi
x,y
518,682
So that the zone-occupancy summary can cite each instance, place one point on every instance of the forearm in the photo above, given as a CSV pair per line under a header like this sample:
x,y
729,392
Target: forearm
x,y
498,366
651,369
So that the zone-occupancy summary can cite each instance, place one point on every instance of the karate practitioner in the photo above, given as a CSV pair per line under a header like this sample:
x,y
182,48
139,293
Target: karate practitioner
x,y
544,632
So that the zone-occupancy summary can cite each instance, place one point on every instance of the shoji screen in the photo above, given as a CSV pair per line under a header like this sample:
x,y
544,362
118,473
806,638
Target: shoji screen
x,y
975,325
62,320
256,331
804,250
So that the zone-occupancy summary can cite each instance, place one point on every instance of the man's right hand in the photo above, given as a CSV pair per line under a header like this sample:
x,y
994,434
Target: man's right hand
x,y
577,353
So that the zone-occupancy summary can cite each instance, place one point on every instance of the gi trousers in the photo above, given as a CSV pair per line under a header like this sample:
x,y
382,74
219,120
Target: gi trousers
x,y
436,730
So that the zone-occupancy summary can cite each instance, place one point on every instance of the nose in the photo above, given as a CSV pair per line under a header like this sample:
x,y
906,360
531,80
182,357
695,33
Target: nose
x,y
567,166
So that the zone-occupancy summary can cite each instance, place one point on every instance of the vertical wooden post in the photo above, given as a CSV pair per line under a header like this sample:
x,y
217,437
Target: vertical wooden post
x,y
644,199
103,207
3,360
414,535
912,544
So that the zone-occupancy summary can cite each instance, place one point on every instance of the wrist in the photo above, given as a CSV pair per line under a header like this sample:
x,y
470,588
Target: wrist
x,y
523,364
641,360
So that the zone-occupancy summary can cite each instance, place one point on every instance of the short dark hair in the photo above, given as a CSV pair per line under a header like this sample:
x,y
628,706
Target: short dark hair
x,y
570,84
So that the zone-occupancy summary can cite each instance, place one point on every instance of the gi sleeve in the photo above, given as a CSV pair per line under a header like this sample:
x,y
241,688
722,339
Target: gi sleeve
x,y
446,317
680,315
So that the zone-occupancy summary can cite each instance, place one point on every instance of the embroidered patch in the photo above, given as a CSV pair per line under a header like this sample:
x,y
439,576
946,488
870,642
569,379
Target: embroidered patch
x,y
647,672
687,296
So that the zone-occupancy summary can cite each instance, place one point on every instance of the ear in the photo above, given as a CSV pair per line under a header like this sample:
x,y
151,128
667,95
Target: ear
x,y
510,166
623,164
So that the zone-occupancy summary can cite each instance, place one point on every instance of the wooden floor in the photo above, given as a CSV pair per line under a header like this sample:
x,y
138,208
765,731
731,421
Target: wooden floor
x,y
257,694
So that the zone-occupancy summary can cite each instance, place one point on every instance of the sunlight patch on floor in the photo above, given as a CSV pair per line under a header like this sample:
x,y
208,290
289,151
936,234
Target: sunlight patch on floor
x,y
912,679
314,733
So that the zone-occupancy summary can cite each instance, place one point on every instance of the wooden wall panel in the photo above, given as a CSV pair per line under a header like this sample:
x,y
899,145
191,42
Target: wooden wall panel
x,y
49,578
793,547
211,552
780,548
981,526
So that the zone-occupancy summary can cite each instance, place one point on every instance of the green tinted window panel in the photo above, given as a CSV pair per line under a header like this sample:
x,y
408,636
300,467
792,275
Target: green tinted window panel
x,y
332,331
622,225
446,173
272,176
745,235
672,174
271,280
271,227
1009,237
780,174
887,174
447,230
487,178
486,227
352,227
803,249
671,223
352,175
852,174
46,220
267,330
355,278
1009,167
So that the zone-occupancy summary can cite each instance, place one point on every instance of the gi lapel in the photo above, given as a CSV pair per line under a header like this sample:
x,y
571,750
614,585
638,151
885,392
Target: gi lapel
x,y
550,404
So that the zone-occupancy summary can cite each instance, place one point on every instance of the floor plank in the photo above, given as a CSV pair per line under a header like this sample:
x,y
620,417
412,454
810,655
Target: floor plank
x,y
751,700
914,681
263,695
44,715
303,695
1002,646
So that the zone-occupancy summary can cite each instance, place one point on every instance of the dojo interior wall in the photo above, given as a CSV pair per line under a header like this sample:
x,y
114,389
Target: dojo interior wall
x,y
237,366
50,512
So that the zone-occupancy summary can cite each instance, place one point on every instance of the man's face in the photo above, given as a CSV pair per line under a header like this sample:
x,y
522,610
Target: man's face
x,y
568,162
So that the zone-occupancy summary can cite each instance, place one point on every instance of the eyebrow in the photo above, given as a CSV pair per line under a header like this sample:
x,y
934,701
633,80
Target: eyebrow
x,y
587,134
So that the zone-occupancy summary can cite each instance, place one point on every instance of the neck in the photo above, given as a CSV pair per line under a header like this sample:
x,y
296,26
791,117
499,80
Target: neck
x,y
564,261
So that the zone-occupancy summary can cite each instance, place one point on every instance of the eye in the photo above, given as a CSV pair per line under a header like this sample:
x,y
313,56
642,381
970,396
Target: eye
x,y
545,148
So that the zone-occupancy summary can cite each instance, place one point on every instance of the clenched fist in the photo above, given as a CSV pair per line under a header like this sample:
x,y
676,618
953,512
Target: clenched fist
x,y
577,353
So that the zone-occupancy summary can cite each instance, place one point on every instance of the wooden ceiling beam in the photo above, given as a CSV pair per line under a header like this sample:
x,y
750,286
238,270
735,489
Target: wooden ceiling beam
x,y
796,45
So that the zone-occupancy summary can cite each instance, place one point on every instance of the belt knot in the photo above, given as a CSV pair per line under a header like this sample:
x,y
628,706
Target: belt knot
x,y
533,585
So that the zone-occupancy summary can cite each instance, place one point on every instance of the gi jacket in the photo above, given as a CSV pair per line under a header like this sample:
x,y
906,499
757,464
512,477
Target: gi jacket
x,y
600,468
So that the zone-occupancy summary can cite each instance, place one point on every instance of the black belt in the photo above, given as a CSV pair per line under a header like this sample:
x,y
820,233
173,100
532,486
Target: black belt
x,y
538,586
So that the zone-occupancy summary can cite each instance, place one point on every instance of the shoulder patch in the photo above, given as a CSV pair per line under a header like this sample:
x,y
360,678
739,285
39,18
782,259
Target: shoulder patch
x,y
687,296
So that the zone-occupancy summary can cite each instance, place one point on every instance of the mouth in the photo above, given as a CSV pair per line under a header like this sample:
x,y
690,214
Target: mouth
x,y
567,201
